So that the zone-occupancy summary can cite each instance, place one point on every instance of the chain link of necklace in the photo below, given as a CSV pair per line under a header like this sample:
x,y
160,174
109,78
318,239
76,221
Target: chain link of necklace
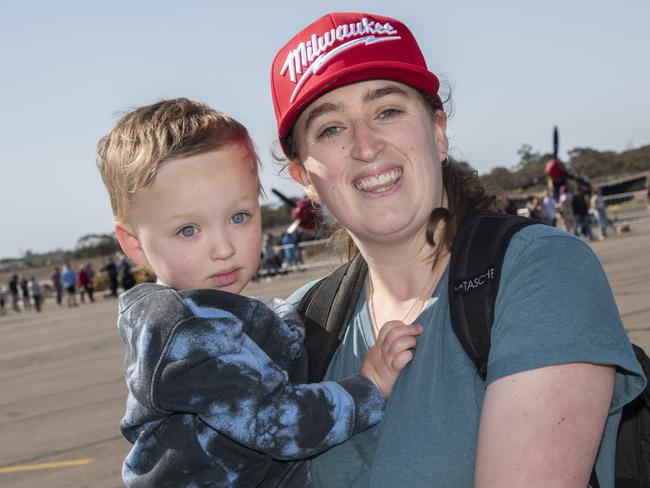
x,y
371,305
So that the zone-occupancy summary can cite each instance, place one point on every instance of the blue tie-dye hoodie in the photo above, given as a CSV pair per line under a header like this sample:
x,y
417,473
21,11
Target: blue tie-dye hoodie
x,y
215,397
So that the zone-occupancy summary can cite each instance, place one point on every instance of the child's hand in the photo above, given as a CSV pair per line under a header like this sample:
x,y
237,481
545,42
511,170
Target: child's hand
x,y
390,354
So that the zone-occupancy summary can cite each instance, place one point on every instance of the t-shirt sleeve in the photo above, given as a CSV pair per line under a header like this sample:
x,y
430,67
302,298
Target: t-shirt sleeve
x,y
296,296
555,306
211,369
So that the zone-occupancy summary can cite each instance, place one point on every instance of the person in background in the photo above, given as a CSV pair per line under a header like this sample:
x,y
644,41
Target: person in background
x,y
566,209
535,211
57,285
111,271
581,212
127,280
69,280
14,292
270,261
85,283
36,293
90,273
550,206
509,206
82,281
24,286
598,210
2,299
290,251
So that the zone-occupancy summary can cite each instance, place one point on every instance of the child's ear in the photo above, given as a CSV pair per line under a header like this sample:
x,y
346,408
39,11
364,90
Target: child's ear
x,y
299,174
130,243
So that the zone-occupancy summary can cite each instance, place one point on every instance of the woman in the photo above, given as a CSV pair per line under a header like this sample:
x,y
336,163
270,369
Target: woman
x,y
363,129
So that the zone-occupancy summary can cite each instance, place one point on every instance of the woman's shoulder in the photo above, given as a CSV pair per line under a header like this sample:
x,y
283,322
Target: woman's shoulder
x,y
295,298
539,231
543,241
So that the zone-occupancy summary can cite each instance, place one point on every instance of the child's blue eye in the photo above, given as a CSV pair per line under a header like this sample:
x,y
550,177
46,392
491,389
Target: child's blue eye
x,y
239,218
187,231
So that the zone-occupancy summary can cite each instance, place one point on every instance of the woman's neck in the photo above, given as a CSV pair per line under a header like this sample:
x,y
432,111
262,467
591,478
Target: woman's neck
x,y
401,276
401,293
402,262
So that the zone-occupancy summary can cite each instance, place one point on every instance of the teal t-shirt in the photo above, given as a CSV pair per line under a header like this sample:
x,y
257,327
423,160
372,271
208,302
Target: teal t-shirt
x,y
554,306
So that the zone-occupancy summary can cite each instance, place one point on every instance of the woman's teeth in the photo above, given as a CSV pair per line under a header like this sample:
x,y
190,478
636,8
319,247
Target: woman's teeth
x,y
379,183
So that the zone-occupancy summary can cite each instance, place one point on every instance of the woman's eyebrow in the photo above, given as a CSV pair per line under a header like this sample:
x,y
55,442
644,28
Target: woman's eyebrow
x,y
368,97
382,92
318,111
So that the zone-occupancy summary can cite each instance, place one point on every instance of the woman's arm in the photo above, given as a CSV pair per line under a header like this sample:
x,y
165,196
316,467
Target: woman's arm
x,y
542,427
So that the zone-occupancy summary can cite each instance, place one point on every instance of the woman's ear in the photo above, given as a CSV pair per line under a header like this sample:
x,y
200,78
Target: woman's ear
x,y
440,133
299,174
130,243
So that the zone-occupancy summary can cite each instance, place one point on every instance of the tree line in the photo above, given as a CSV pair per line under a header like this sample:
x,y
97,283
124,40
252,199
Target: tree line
x,y
588,163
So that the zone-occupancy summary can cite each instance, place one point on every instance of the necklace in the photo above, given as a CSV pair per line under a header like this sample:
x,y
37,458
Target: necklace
x,y
371,306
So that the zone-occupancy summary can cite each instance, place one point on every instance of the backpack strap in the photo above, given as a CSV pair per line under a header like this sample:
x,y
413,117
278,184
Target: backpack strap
x,y
475,269
474,273
633,441
326,310
593,479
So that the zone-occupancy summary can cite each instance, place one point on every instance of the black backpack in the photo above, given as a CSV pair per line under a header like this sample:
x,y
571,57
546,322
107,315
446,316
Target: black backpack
x,y
474,274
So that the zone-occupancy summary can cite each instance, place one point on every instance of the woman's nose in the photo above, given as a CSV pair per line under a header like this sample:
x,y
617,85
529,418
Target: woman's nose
x,y
366,143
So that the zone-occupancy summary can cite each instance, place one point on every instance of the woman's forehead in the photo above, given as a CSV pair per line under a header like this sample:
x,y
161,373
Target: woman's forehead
x,y
363,91
360,92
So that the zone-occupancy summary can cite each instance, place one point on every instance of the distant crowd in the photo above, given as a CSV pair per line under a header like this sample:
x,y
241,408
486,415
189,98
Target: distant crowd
x,y
70,286
578,210
280,255
67,284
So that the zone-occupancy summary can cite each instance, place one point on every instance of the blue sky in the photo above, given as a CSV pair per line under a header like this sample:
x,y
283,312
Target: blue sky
x,y
68,69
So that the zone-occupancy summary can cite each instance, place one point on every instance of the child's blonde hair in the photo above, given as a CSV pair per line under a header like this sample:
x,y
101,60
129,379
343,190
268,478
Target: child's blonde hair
x,y
131,154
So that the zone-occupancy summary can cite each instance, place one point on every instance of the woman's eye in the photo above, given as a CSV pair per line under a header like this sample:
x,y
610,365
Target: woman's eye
x,y
239,217
329,132
389,113
187,231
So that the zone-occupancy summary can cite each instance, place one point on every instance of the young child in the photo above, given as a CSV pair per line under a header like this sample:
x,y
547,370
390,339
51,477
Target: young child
x,y
214,377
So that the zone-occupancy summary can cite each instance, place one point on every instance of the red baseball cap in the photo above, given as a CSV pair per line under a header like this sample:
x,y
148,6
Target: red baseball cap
x,y
342,48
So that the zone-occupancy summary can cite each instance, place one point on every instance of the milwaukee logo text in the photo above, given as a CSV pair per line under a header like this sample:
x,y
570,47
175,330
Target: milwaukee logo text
x,y
309,57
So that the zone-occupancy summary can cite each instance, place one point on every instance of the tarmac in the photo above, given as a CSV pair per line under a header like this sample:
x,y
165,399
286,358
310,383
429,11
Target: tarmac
x,y
62,390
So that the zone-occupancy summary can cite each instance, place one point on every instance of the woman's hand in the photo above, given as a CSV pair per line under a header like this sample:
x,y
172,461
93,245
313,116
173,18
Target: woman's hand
x,y
389,355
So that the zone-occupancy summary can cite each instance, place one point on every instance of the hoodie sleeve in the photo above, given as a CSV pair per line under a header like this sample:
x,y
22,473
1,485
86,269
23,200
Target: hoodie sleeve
x,y
210,368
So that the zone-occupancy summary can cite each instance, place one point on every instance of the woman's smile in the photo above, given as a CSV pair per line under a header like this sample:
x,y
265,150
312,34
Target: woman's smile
x,y
379,183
